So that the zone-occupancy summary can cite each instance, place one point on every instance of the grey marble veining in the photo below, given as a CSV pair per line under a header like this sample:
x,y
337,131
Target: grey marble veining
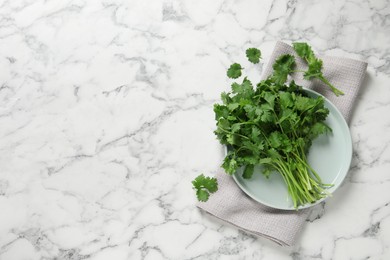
x,y
106,116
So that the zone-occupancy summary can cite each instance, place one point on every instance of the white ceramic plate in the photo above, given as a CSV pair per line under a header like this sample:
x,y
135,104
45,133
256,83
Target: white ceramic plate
x,y
330,155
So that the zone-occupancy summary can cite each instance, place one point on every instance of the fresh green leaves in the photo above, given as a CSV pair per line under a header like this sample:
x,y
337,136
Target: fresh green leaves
x,y
204,186
234,71
271,124
303,50
314,65
283,66
253,55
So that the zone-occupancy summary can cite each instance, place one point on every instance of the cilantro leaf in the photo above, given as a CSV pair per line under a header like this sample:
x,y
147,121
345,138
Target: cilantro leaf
x,y
303,50
233,106
230,164
253,55
236,127
302,103
204,186
319,128
225,97
286,100
283,66
314,70
202,195
248,171
221,111
275,139
234,71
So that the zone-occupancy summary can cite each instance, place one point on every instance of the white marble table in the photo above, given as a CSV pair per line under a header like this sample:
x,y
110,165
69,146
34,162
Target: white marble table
x,y
106,116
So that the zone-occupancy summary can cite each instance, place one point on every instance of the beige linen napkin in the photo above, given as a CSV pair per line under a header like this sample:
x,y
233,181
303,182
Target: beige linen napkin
x,y
232,205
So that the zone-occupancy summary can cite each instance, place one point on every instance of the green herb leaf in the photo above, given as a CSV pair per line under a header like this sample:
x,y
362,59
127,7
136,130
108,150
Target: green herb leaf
x,y
272,125
204,186
283,66
234,71
286,100
253,55
248,171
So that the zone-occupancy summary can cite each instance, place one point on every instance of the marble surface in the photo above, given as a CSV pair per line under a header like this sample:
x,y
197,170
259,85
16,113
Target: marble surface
x,y
106,116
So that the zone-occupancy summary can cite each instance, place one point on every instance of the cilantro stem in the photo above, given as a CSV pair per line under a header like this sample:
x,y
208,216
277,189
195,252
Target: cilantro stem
x,y
290,175
226,131
239,149
299,158
336,91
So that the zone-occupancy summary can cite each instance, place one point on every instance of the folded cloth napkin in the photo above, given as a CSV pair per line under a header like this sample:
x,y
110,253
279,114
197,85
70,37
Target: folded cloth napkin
x,y
232,205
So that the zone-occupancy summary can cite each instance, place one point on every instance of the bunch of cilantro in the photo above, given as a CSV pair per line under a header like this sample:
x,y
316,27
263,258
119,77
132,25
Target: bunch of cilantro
x,y
272,124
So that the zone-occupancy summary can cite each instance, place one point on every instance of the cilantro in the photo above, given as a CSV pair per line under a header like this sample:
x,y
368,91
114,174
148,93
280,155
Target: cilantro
x,y
253,55
272,124
234,71
314,65
283,66
204,186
